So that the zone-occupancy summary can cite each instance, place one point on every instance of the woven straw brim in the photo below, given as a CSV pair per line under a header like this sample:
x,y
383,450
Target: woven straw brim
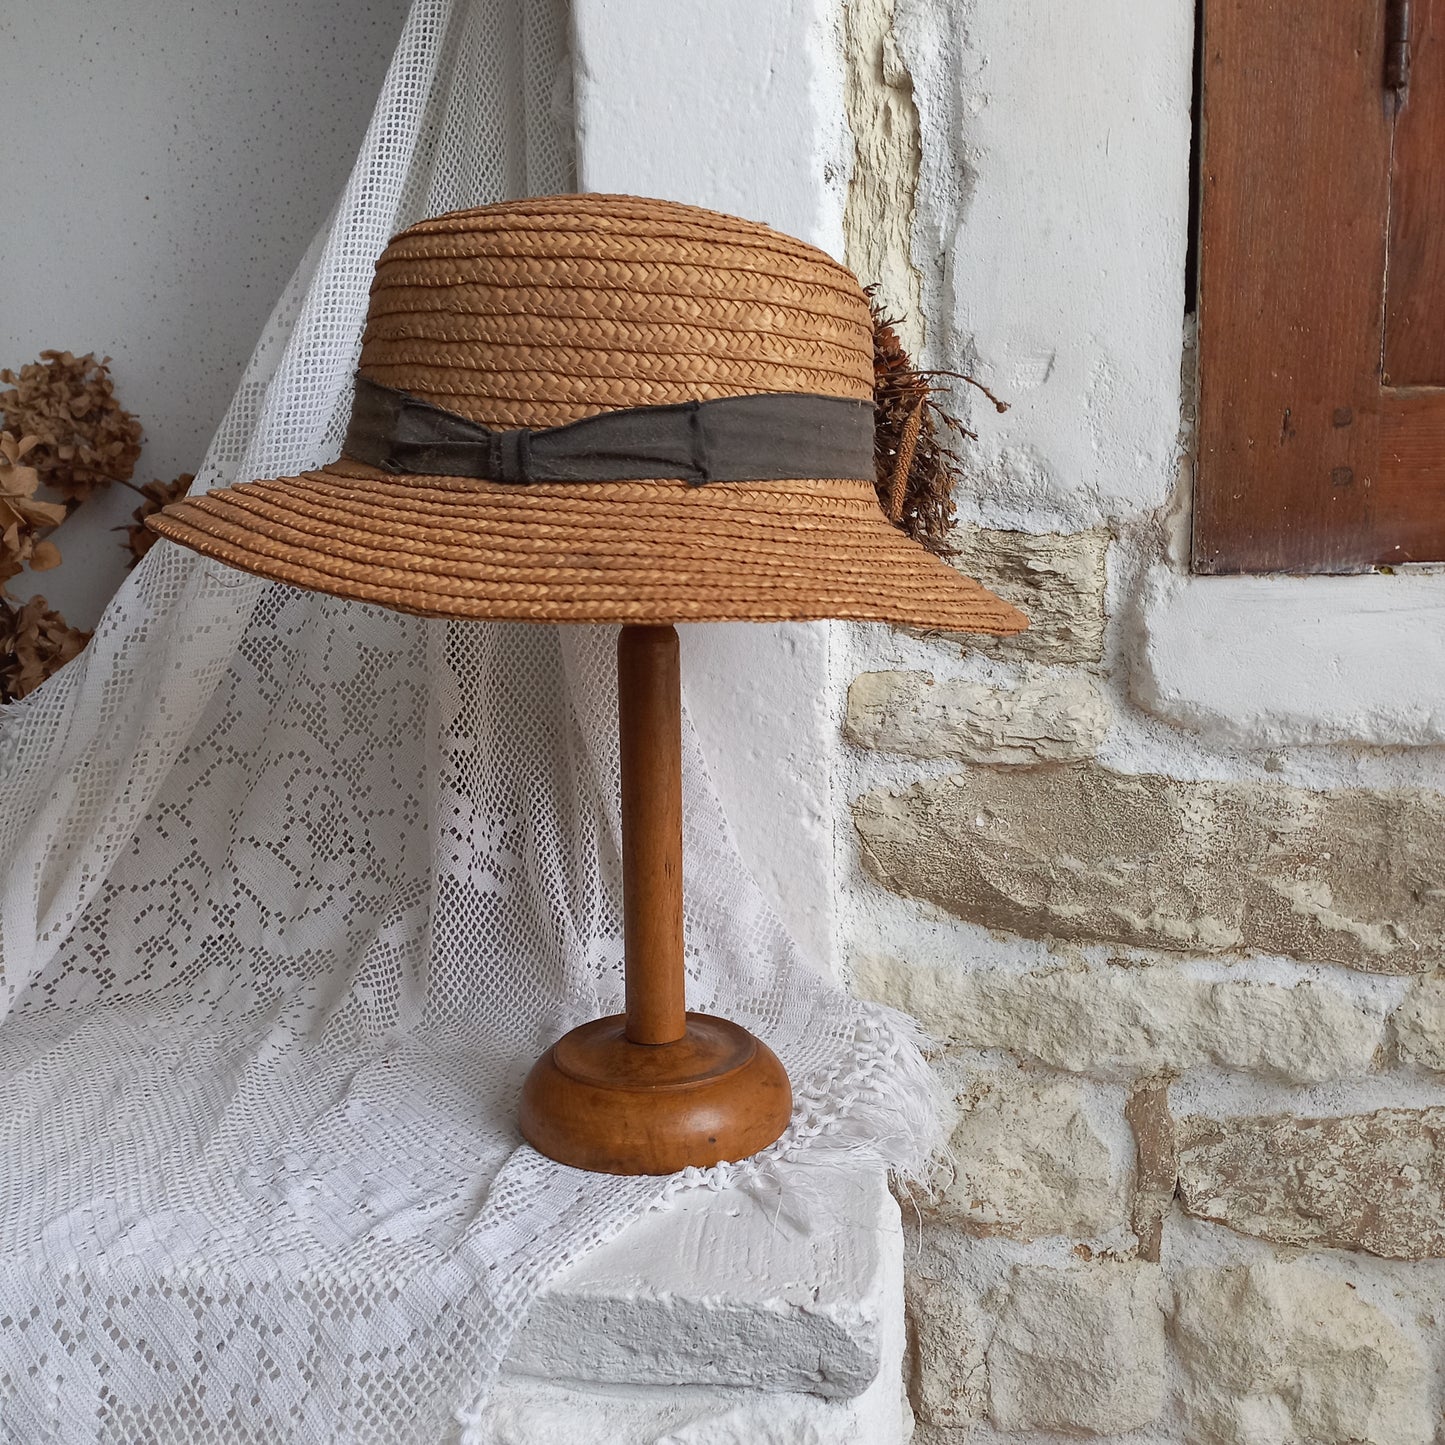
x,y
637,551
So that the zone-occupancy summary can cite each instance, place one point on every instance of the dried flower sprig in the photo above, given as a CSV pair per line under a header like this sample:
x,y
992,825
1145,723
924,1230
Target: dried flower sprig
x,y
84,437
916,472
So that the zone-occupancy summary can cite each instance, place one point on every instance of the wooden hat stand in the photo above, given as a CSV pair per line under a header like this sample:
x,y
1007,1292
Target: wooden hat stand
x,y
655,1089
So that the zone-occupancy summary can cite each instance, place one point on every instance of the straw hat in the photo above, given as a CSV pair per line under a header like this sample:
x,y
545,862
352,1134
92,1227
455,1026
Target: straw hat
x,y
721,376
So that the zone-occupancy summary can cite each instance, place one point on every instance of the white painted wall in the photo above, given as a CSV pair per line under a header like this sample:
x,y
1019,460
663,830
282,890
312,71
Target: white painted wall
x,y
738,107
1050,234
1274,661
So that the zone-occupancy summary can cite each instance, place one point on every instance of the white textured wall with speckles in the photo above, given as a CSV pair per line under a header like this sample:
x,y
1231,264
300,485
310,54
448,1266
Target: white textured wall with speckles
x,y
163,170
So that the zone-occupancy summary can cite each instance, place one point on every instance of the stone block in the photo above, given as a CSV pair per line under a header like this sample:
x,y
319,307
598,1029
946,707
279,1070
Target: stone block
x,y
1043,721
1373,1182
1078,1351
1028,1163
1080,852
1056,578
1127,1022
1419,1025
1156,1164
947,1384
1281,1353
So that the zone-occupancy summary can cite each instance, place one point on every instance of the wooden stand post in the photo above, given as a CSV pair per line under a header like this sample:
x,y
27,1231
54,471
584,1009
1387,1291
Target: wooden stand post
x,y
649,720
655,1089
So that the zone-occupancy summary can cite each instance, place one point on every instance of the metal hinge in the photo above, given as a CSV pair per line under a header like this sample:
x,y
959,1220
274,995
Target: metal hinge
x,y
1397,48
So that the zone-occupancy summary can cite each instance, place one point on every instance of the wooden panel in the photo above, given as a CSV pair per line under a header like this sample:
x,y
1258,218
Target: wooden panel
x,y
1295,170
1410,497
1415,304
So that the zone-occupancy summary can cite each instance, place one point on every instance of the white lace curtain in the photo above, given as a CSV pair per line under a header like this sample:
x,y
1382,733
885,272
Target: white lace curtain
x,y
292,891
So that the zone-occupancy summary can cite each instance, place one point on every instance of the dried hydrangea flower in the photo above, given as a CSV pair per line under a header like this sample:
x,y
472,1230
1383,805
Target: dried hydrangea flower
x,y
20,514
84,437
139,539
35,643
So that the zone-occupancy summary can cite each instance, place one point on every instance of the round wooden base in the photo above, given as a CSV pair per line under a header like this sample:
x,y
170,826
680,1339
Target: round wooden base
x,y
598,1101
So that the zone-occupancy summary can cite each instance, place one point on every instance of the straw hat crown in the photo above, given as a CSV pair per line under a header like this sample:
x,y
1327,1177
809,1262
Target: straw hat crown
x,y
536,314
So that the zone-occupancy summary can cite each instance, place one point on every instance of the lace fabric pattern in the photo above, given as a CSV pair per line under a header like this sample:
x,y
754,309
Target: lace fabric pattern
x,y
293,891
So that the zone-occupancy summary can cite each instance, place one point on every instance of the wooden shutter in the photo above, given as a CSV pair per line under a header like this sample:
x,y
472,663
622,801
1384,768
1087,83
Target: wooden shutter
x,y
1321,443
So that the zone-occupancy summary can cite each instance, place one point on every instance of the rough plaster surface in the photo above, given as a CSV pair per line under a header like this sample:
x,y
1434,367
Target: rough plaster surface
x,y
773,1289
878,220
1048,720
1079,1351
1082,852
1117,1022
1052,211
1372,1182
770,1315
535,1412
526,1409
1279,1353
1419,1025
1057,579
1027,1163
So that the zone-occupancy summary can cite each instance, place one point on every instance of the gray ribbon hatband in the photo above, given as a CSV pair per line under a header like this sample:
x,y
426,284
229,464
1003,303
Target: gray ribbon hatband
x,y
766,437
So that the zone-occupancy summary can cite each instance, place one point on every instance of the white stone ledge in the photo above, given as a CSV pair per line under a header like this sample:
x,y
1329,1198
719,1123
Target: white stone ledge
x,y
772,1289
526,1411
1274,661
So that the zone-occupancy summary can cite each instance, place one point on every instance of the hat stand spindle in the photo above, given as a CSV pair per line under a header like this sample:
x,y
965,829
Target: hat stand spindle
x,y
655,1089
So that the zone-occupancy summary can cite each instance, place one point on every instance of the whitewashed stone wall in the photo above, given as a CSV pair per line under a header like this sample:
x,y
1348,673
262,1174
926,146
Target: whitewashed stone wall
x,y
1181,948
